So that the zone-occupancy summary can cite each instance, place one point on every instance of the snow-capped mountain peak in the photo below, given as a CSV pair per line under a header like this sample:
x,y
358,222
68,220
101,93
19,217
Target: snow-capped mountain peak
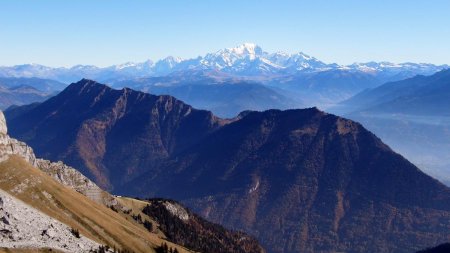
x,y
251,59
395,68
125,65
247,49
229,56
166,65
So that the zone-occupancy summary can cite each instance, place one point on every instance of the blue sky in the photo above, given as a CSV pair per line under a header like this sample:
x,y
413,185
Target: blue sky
x,y
106,32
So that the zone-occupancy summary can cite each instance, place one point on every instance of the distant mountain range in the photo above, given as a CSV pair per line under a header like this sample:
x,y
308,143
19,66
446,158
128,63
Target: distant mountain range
x,y
298,180
234,79
43,85
420,96
21,91
247,60
220,93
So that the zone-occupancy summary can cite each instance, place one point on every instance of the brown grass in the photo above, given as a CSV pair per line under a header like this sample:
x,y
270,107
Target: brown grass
x,y
136,207
93,220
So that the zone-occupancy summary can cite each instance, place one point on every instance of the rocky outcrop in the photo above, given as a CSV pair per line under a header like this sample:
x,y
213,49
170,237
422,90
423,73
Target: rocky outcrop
x,y
72,178
3,128
62,173
22,226
10,146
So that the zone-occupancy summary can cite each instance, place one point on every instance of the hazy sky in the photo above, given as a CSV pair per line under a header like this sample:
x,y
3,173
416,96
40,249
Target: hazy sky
x,y
106,32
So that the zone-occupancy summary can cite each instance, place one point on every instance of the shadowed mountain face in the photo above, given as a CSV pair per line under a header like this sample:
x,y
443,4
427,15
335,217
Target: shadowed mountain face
x,y
111,135
305,181
443,248
299,180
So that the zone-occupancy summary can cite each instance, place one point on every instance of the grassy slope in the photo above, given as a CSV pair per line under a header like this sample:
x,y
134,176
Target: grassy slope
x,y
136,207
68,206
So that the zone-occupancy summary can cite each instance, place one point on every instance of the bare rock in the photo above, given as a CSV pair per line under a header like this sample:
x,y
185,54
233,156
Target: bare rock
x,y
3,128
30,228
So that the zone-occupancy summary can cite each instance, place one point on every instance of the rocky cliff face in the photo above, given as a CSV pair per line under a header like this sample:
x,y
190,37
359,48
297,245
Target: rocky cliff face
x,y
72,178
62,173
10,146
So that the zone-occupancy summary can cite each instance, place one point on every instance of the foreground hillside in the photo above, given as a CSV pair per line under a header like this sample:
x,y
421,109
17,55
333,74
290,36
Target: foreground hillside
x,y
26,227
298,180
93,220
45,204
40,210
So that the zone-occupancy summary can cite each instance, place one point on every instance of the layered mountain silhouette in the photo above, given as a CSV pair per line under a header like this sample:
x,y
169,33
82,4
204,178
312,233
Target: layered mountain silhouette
x,y
227,81
412,116
420,95
298,180
43,85
22,91
220,93
325,88
20,95
226,95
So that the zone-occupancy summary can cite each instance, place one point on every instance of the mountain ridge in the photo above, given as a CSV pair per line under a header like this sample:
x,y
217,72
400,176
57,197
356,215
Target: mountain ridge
x,y
333,185
109,107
